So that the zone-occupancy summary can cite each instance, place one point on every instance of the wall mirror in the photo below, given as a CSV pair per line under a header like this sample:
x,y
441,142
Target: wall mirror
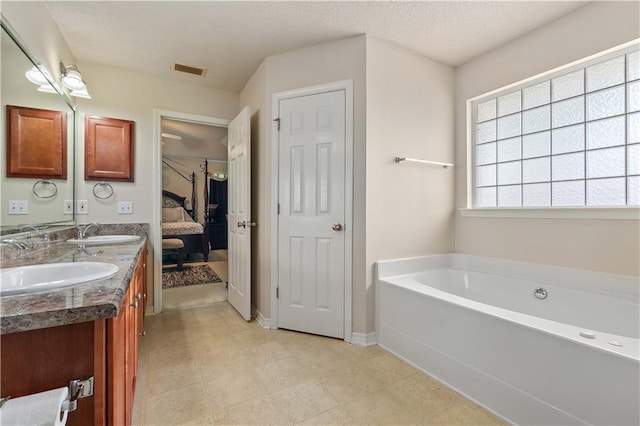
x,y
31,202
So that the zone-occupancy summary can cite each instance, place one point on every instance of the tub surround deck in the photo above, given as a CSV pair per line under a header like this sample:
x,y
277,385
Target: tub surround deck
x,y
475,324
84,302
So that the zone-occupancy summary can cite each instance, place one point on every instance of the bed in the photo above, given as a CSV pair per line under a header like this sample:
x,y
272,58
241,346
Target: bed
x,y
178,222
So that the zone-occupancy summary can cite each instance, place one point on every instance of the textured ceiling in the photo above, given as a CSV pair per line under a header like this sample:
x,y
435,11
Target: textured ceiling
x,y
230,39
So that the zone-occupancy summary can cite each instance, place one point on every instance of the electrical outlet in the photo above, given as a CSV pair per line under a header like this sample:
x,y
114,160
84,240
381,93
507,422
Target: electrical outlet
x,y
67,207
82,207
18,207
125,207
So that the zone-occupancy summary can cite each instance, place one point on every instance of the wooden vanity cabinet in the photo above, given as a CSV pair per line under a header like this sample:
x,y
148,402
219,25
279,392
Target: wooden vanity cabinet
x,y
122,345
48,358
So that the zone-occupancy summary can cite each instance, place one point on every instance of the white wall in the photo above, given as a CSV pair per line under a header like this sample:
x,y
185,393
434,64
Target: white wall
x,y
602,245
410,108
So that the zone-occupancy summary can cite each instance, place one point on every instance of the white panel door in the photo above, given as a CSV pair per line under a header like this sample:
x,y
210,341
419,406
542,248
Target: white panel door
x,y
311,234
238,216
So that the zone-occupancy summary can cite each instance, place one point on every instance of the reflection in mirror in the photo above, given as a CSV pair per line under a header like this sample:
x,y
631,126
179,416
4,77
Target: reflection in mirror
x,y
33,202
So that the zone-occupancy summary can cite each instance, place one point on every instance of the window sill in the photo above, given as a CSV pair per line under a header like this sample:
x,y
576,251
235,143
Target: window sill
x,y
612,213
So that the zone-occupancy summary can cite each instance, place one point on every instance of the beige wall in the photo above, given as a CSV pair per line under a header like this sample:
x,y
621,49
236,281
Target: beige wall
x,y
325,63
18,91
254,94
37,30
410,207
401,102
133,96
602,245
48,46
341,60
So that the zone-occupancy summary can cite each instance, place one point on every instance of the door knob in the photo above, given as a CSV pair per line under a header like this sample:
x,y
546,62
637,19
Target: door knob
x,y
337,227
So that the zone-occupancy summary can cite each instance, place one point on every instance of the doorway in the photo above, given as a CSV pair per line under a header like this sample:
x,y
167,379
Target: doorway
x,y
314,146
191,172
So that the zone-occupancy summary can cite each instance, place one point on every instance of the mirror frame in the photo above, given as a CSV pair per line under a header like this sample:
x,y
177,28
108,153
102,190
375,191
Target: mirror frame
x,y
71,138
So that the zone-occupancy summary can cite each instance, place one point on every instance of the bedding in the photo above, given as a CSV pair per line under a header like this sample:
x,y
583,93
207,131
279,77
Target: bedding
x,y
181,228
174,214
178,223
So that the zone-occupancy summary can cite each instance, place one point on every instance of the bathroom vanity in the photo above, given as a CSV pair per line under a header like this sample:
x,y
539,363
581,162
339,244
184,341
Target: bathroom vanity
x,y
86,330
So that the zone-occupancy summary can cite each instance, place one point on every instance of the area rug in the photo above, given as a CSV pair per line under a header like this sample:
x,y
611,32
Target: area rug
x,y
190,275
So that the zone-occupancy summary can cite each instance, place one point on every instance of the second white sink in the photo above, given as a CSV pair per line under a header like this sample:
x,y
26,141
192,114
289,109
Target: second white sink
x,y
48,276
105,239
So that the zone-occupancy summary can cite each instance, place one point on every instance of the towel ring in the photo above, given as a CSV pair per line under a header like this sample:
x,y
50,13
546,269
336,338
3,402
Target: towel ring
x,y
44,182
103,184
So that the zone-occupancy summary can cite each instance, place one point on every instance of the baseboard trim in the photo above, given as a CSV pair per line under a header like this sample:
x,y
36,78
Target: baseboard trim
x,y
150,310
364,339
264,322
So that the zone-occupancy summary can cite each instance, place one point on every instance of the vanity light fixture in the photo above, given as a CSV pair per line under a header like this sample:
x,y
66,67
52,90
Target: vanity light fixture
x,y
36,76
82,93
72,80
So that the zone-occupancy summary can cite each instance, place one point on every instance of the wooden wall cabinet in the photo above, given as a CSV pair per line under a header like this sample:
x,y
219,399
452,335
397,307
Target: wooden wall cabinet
x,y
108,149
40,360
36,143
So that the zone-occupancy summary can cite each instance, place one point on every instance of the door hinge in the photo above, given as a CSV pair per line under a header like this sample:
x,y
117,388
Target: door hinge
x,y
277,120
277,292
278,208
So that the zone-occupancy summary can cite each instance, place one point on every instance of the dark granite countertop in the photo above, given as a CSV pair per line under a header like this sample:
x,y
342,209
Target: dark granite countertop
x,y
90,301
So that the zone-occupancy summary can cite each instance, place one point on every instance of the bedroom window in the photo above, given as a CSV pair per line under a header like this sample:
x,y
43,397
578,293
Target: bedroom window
x,y
570,138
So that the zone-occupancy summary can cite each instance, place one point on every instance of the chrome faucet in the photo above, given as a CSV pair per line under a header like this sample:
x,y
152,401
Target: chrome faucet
x,y
15,244
82,252
82,229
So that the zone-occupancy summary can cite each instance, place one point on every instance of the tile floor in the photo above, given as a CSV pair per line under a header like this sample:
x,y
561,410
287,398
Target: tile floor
x,y
206,365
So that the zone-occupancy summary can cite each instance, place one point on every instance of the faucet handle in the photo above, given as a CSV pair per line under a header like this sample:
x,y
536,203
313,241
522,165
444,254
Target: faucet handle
x,y
84,227
15,244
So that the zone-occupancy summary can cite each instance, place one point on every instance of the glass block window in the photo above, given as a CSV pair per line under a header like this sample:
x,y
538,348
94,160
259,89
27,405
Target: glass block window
x,y
569,139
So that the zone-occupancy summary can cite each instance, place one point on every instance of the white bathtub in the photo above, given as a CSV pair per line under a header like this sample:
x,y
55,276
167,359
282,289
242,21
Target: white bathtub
x,y
474,324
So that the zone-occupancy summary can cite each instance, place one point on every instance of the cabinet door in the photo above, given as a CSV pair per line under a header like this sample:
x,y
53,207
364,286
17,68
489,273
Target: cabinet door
x,y
108,149
123,340
116,368
135,317
48,358
36,143
131,358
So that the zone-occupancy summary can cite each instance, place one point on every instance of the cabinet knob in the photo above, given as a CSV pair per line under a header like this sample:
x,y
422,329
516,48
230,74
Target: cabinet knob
x,y
142,333
134,304
139,296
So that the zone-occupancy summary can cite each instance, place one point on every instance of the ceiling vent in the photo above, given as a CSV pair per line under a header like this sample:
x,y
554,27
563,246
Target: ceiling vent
x,y
189,70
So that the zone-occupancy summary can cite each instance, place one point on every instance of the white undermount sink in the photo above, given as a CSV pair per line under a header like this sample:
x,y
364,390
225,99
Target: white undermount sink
x,y
49,276
105,239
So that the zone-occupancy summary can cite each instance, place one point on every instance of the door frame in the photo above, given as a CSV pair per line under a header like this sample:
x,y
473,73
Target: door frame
x,y
347,86
156,230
